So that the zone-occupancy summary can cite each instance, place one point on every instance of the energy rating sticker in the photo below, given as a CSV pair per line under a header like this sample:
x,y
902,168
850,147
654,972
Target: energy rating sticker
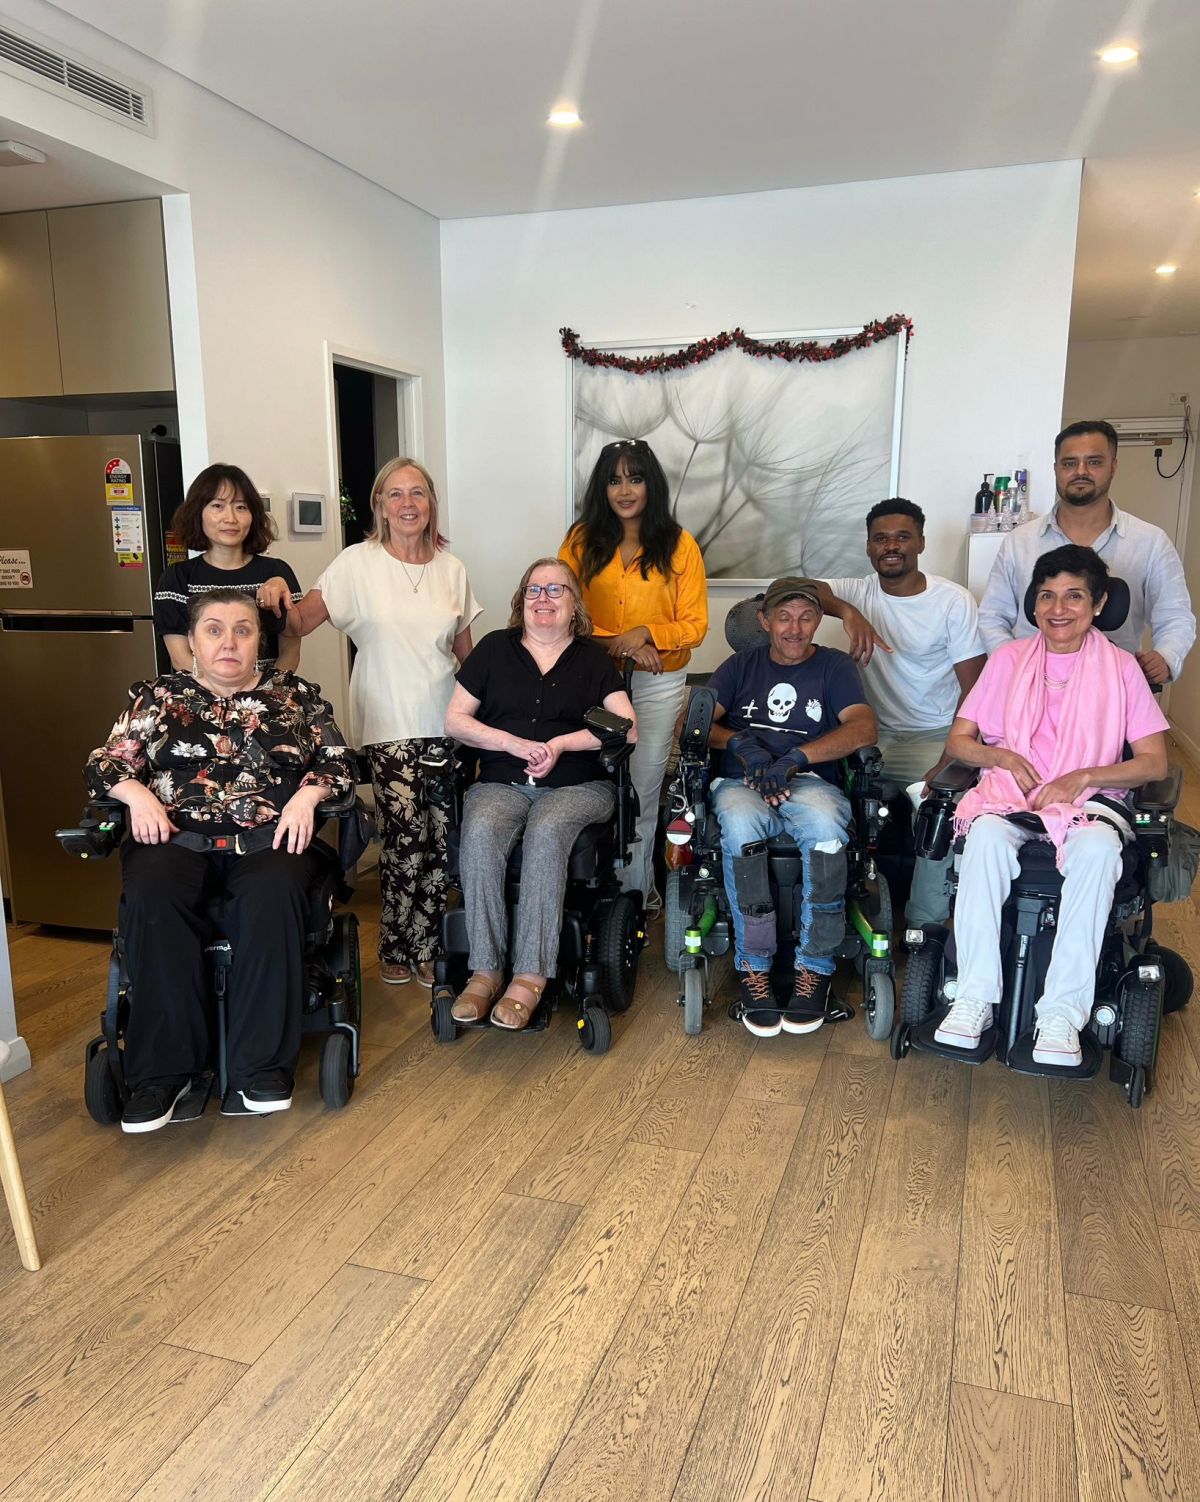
x,y
118,482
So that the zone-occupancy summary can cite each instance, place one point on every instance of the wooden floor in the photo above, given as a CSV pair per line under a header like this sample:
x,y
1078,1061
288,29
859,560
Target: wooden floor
x,y
698,1269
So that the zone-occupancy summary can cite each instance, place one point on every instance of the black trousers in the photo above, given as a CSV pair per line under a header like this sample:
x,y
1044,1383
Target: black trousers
x,y
165,927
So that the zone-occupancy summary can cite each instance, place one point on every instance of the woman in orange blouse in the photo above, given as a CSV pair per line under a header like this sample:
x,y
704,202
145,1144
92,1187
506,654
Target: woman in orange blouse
x,y
644,586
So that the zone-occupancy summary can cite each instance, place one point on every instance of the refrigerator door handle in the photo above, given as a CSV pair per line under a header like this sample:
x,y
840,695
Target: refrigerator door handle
x,y
117,622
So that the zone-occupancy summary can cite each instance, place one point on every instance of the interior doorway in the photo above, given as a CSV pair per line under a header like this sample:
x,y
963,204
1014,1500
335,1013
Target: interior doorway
x,y
372,425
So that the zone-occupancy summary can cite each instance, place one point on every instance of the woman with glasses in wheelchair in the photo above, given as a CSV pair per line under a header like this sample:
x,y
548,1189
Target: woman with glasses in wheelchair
x,y
1049,721
520,699
225,751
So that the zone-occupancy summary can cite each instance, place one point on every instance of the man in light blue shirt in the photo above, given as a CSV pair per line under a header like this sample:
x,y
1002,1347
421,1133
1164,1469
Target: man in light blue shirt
x,y
1085,462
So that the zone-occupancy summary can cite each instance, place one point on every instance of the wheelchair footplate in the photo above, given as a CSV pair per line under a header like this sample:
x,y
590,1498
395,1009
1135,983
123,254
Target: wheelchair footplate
x,y
193,1104
923,1038
1021,1059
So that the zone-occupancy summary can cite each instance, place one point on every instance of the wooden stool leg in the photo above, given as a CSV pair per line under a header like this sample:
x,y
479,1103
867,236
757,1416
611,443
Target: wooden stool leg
x,y
14,1193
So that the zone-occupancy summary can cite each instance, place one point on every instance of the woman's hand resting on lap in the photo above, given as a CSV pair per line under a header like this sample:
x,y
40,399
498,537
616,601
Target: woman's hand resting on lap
x,y
149,822
1063,789
1025,774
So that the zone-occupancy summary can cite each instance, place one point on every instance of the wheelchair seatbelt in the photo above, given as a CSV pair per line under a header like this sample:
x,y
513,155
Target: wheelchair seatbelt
x,y
243,843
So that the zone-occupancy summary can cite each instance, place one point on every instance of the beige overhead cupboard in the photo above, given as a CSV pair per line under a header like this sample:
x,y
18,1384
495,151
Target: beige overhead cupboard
x,y
83,301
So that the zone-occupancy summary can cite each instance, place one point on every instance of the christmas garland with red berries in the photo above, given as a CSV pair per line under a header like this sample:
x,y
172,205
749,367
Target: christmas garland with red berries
x,y
808,350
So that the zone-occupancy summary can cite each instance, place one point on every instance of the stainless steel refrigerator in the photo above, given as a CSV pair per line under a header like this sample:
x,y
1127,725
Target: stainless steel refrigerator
x,y
81,548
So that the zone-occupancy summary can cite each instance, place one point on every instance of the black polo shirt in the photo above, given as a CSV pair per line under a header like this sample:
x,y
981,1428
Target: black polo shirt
x,y
514,695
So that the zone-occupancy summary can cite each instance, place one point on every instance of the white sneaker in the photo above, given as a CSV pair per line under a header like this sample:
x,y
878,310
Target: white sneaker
x,y
965,1023
1056,1041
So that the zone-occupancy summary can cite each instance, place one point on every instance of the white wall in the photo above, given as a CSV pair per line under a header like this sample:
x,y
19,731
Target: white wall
x,y
290,251
1136,378
982,262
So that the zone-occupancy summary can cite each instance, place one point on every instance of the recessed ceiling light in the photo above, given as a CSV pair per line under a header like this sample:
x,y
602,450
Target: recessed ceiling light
x,y
1165,270
1118,56
564,115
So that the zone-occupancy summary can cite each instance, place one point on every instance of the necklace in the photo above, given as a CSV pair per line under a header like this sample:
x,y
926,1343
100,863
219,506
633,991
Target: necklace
x,y
1056,682
407,575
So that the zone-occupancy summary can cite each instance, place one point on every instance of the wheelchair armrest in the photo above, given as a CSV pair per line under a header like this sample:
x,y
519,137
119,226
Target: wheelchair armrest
x,y
99,832
697,725
955,777
1160,797
867,759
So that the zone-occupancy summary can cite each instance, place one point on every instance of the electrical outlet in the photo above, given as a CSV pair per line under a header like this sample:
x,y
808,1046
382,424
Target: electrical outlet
x,y
1178,398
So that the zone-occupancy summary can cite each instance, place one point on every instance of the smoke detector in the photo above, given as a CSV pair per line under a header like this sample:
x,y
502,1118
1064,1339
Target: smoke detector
x,y
17,154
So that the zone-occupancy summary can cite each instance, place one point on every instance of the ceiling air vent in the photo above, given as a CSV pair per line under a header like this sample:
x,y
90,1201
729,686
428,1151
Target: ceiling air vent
x,y
36,60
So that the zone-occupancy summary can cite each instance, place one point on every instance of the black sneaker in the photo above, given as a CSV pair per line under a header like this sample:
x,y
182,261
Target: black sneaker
x,y
760,1015
806,1010
269,1091
150,1106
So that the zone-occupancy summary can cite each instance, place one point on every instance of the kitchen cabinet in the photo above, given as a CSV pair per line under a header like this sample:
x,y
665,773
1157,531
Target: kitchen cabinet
x,y
29,363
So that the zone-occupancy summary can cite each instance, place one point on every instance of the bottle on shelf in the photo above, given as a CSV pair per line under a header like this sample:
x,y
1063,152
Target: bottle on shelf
x,y
983,506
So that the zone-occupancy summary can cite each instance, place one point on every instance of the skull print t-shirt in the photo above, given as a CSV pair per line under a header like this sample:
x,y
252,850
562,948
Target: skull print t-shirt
x,y
784,707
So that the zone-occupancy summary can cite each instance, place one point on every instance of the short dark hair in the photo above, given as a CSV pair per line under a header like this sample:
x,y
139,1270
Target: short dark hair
x,y
1082,429
188,520
1084,563
897,506
226,594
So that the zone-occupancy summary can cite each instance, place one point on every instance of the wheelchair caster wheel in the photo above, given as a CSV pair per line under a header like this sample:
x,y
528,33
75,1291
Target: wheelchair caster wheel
x,y
1138,1087
337,1070
693,1002
901,1041
595,1030
445,1029
100,1093
879,1006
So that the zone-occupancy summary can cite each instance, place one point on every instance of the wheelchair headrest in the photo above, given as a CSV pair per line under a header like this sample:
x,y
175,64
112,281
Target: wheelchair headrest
x,y
742,629
1116,606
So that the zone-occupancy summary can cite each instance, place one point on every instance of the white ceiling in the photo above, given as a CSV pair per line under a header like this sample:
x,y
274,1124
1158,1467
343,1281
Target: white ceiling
x,y
444,103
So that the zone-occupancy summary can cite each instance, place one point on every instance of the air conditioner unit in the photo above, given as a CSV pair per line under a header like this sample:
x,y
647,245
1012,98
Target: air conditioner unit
x,y
36,59
1150,429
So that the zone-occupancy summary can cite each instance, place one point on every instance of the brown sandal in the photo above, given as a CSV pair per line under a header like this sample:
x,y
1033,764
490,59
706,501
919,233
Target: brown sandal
x,y
475,999
523,1010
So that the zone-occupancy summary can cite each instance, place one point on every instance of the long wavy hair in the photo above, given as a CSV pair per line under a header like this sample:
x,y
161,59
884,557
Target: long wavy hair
x,y
598,532
581,621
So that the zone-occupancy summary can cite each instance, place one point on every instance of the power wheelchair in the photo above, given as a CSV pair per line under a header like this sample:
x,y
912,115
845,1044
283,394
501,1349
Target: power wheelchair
x,y
333,975
1137,980
697,916
603,927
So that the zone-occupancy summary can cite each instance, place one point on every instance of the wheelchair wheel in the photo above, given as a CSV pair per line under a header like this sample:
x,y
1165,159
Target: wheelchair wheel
x,y
441,1019
1137,1042
674,921
337,1073
922,983
693,1001
1177,991
879,1005
100,1093
618,950
595,1030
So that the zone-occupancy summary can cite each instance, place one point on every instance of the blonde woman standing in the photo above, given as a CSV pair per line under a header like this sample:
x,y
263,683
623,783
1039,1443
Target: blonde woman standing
x,y
407,605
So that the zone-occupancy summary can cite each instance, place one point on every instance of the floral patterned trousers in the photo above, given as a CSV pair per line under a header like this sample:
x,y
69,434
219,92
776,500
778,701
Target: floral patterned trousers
x,y
412,863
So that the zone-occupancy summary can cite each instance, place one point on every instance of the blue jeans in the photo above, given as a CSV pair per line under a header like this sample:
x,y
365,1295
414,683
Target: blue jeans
x,y
817,816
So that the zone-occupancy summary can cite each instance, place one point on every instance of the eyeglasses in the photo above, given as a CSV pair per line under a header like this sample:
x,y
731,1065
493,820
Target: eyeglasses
x,y
552,591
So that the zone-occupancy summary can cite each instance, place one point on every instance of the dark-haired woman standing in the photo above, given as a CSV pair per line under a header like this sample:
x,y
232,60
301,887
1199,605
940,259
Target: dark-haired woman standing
x,y
645,589
223,518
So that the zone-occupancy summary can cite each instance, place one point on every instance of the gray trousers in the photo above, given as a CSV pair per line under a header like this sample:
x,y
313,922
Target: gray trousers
x,y
494,816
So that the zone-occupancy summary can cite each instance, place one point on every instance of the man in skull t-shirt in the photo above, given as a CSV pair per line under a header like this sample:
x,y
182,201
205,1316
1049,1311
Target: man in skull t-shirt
x,y
786,713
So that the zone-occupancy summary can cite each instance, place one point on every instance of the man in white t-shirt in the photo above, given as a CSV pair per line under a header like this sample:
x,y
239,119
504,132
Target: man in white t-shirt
x,y
916,639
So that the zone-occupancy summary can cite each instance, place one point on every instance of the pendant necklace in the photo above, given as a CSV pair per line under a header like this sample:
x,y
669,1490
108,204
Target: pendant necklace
x,y
408,576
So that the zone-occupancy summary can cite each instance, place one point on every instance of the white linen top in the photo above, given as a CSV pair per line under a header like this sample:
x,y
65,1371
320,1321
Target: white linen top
x,y
404,672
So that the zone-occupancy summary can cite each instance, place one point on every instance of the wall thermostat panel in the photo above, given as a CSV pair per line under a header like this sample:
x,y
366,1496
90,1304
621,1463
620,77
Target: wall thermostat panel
x,y
308,512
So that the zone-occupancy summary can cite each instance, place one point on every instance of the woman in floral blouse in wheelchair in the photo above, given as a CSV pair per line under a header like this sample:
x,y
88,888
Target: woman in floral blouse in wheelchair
x,y
223,752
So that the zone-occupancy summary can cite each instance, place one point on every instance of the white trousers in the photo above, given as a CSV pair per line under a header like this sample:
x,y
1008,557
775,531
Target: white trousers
x,y
657,700
1091,866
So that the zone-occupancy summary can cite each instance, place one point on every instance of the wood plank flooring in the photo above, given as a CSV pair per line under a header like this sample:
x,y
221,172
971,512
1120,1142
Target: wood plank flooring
x,y
694,1270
